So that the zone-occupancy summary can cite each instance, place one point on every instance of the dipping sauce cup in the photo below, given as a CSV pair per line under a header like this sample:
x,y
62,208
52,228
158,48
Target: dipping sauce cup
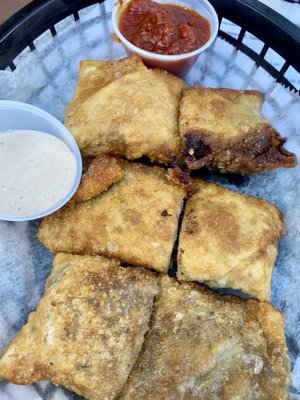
x,y
177,64
22,119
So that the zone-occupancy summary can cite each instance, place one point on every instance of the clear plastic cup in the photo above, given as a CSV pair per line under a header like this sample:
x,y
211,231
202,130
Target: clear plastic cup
x,y
21,116
176,64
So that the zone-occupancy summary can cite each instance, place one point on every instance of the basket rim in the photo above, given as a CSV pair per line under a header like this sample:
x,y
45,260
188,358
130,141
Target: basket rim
x,y
277,32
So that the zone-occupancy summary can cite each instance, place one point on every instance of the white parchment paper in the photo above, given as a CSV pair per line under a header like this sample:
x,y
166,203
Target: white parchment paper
x,y
46,77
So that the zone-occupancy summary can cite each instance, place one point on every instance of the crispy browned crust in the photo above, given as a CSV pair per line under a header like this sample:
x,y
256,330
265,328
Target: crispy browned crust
x,y
87,330
101,173
133,116
126,222
229,240
223,129
179,176
207,346
95,74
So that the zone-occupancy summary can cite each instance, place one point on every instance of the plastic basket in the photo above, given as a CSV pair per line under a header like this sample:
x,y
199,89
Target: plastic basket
x,y
275,31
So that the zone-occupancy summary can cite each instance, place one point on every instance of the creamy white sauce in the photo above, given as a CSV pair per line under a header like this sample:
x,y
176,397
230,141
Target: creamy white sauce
x,y
37,170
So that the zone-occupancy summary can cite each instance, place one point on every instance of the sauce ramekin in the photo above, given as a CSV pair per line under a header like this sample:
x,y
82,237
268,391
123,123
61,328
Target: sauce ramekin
x,y
21,116
176,64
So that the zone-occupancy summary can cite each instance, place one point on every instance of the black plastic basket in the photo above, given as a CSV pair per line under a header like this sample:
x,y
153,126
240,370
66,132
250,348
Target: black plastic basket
x,y
275,31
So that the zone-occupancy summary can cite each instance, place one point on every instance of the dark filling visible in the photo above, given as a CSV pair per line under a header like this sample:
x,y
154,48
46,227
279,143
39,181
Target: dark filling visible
x,y
195,146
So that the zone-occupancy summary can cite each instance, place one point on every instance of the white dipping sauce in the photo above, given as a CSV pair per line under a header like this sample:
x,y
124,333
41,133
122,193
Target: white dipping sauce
x,y
37,170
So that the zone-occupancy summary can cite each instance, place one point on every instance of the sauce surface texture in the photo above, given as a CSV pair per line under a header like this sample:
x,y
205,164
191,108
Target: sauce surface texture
x,y
163,28
37,170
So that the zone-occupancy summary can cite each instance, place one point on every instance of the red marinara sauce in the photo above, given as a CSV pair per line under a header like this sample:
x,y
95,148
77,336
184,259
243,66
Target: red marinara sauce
x,y
163,28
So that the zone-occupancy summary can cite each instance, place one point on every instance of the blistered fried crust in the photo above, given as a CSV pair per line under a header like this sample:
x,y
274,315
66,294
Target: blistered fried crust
x,y
134,221
133,116
180,177
223,129
94,75
102,172
229,240
206,346
87,330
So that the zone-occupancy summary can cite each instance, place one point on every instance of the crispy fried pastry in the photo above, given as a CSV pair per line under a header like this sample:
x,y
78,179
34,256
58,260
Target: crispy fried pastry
x,y
94,75
229,240
223,129
133,116
206,346
102,172
134,221
88,328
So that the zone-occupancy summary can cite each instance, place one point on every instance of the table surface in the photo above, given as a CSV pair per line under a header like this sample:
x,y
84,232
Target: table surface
x,y
9,7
